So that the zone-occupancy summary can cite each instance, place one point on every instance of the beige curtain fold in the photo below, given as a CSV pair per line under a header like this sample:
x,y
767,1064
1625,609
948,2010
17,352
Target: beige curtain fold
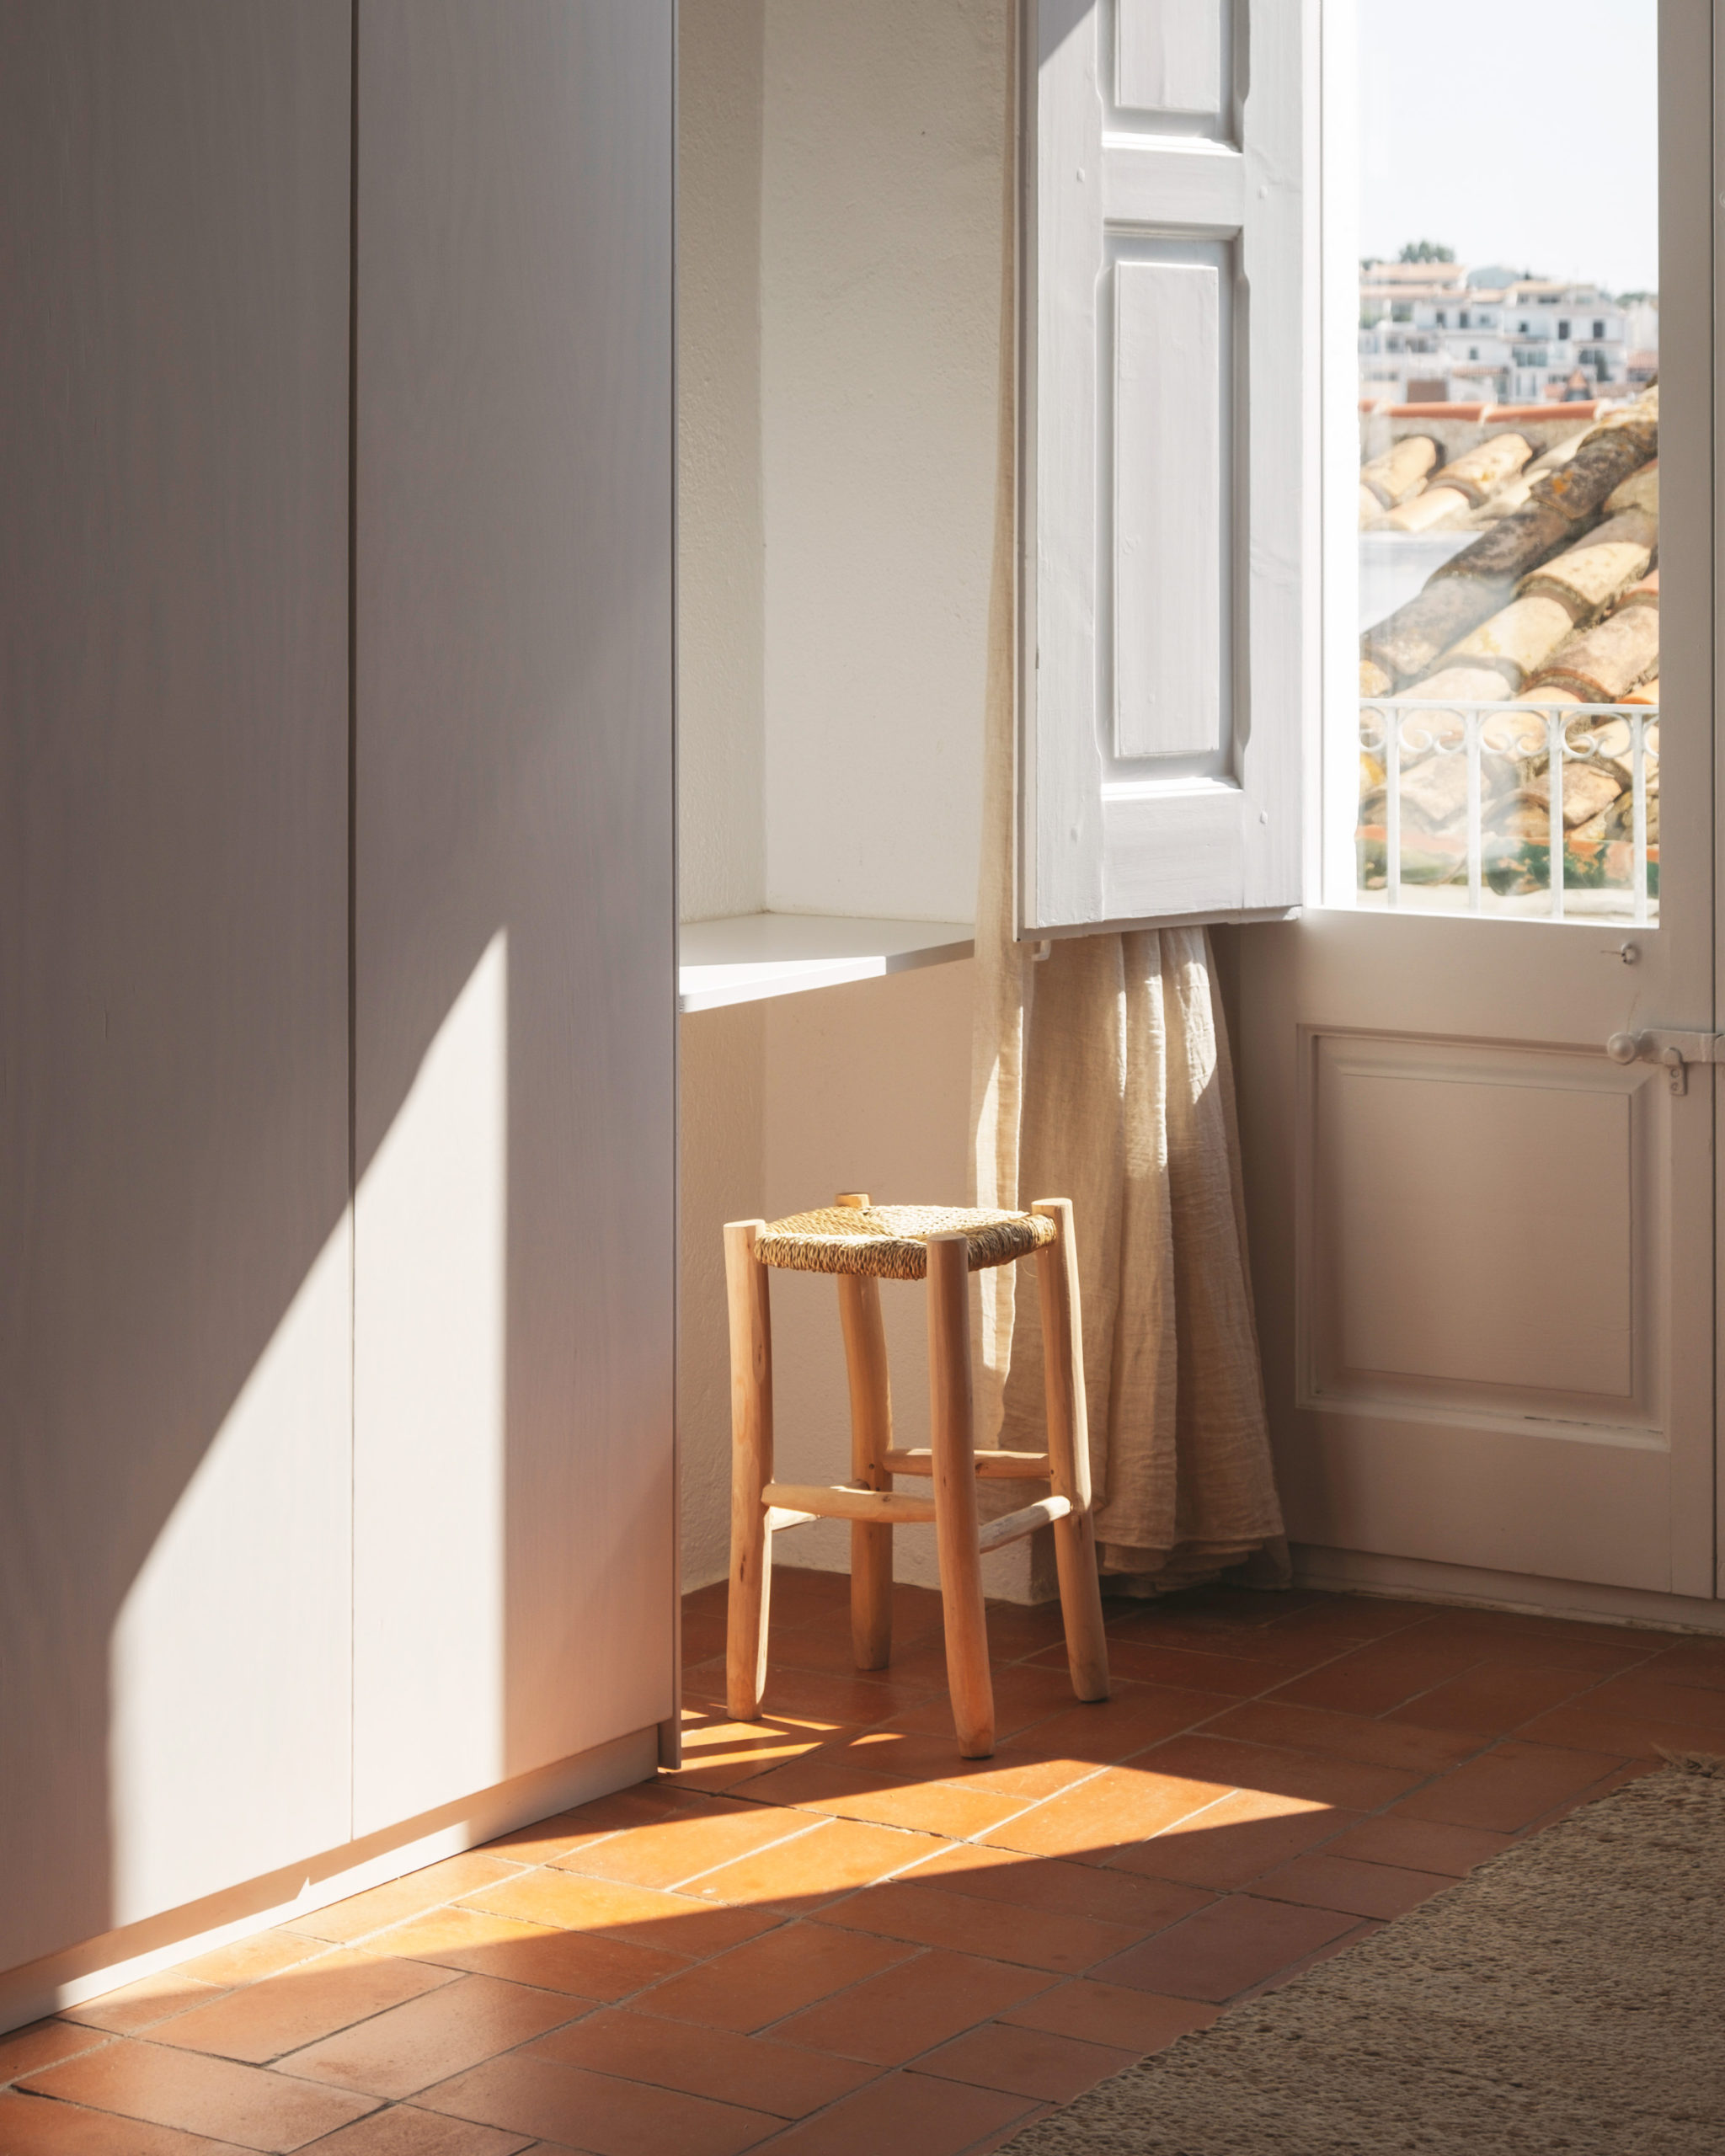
x,y
1102,1073
1126,1106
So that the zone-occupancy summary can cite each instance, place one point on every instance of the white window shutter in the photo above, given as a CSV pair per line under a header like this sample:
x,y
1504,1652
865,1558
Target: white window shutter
x,y
1166,353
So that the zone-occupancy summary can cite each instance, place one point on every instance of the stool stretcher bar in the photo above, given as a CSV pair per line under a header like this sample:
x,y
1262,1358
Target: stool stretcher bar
x,y
1004,1466
996,1534
835,1501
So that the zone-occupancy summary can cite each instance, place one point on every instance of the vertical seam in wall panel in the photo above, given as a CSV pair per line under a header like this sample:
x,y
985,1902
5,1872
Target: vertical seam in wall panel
x,y
353,364
670,1744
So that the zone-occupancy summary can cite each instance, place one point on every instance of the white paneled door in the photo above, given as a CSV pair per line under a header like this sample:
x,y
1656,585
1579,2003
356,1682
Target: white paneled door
x,y
1484,1243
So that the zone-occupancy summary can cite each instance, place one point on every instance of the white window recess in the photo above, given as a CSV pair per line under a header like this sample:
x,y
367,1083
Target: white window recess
x,y
1165,409
843,201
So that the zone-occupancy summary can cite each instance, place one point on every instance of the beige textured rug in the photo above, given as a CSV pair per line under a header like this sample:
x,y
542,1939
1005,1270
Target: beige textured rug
x,y
1569,1995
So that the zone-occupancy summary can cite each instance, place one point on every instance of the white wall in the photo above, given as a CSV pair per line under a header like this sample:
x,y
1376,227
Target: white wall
x,y
720,597
834,628
882,208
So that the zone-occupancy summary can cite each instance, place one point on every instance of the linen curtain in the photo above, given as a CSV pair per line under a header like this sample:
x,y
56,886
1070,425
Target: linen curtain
x,y
1102,1073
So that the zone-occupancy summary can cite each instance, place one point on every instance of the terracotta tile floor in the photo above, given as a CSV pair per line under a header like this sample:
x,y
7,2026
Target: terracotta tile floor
x,y
829,1933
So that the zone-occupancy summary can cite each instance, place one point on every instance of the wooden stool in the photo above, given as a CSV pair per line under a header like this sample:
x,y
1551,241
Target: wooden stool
x,y
864,1243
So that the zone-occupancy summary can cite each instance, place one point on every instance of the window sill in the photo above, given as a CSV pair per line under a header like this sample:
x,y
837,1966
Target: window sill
x,y
753,956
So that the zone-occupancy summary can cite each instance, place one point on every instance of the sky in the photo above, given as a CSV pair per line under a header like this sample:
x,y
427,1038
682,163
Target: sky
x,y
1519,132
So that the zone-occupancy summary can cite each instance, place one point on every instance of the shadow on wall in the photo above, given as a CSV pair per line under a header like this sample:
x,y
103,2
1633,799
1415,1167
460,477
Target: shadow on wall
x,y
231,1615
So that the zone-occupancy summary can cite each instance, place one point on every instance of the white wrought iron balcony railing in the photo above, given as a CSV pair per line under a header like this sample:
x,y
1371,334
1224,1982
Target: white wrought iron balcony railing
x,y
1486,784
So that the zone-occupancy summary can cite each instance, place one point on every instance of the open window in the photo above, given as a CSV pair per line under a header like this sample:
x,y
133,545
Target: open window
x,y
1492,425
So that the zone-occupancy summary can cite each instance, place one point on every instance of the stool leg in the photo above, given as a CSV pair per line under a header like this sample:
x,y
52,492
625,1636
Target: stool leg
x,y
751,1470
871,1435
1068,1453
953,1439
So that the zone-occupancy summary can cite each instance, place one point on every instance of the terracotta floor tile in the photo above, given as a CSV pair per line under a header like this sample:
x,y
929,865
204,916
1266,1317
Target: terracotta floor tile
x,y
31,2126
808,1589
891,2018
595,2112
1579,1728
1345,1736
1014,1629
1026,2062
673,1923
244,1961
45,2043
718,1755
282,2012
1112,2013
759,1983
753,2071
1418,1844
1385,1674
585,1963
913,2113
1699,1663
1556,1647
398,2053
1110,1730
821,1784
1697,1708
1362,1928
1236,1840
1024,1694
372,1911
1226,1948
542,1840
825,1644
138,2005
1506,1788
212,2096
852,1702
1063,1889
1115,1807
898,1755
969,1923
834,1857
1356,1784
1191,1668
404,2130
1494,1698
1352,1619
1361,1890
1498,1625
667,1851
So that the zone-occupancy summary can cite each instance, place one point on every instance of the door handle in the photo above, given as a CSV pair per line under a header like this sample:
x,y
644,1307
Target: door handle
x,y
1672,1051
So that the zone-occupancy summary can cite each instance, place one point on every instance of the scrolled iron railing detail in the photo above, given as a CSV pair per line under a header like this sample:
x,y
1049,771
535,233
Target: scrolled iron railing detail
x,y
1402,732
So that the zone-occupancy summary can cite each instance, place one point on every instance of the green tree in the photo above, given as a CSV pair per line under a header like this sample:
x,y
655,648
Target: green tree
x,y
1426,250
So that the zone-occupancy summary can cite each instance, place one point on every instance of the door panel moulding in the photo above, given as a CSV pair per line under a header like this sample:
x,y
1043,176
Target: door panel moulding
x,y
103,1964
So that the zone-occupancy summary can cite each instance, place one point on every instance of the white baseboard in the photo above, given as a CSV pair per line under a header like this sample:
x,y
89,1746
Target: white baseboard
x,y
1356,1572
121,1957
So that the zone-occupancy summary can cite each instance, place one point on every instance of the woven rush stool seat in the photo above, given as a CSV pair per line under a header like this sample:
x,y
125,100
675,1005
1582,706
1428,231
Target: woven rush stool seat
x,y
890,1242
862,1244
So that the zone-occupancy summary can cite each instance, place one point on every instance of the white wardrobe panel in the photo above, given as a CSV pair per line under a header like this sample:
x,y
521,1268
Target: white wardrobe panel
x,y
174,1414
515,974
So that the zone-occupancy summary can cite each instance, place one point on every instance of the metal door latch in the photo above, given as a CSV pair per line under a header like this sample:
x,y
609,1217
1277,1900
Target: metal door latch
x,y
1674,1052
